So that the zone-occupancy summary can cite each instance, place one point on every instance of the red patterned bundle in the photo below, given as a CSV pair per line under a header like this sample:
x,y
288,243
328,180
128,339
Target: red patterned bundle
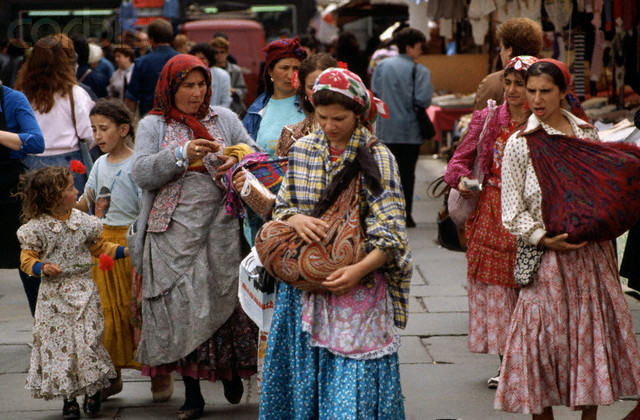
x,y
590,190
288,257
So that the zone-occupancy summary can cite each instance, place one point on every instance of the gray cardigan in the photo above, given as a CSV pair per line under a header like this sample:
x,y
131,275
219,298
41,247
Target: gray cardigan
x,y
152,168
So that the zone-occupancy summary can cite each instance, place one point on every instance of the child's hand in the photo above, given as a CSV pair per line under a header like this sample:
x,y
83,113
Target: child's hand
x,y
126,251
51,270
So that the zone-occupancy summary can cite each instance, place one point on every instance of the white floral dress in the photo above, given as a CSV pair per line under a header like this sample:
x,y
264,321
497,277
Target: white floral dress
x,y
67,358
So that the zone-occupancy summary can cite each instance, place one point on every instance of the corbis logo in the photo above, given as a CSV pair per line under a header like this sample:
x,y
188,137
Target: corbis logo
x,y
30,29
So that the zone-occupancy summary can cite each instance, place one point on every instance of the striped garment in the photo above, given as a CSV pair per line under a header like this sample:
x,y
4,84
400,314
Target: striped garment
x,y
310,172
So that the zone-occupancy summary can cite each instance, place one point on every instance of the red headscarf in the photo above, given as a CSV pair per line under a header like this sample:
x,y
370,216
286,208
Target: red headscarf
x,y
283,48
566,74
572,100
172,75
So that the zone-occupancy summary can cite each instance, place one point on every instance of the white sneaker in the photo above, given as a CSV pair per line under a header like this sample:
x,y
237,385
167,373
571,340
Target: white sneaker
x,y
492,383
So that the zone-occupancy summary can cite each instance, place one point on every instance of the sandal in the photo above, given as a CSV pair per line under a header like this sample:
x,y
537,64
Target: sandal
x,y
91,404
71,409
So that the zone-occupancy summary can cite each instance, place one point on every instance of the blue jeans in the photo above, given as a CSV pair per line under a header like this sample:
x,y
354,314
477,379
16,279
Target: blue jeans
x,y
37,162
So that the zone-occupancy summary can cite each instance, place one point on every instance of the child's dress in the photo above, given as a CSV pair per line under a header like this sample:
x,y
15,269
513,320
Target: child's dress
x,y
117,204
67,358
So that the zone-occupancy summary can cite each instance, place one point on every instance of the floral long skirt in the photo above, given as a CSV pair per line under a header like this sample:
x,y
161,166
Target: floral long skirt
x,y
571,339
492,291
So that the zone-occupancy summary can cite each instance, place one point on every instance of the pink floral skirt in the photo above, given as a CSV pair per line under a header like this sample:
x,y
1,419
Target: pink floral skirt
x,y
571,339
490,308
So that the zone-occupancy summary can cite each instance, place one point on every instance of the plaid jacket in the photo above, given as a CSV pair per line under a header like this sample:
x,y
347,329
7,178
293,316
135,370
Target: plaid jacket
x,y
310,171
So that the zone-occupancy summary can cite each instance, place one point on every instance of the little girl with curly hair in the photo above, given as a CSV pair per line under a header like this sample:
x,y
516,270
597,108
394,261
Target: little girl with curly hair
x,y
67,358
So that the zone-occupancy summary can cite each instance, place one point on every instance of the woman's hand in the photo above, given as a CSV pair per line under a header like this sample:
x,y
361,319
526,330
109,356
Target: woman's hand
x,y
341,281
238,181
199,148
309,228
559,243
228,162
51,270
464,191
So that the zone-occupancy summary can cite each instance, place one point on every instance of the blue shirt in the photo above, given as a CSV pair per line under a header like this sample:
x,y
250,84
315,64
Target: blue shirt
x,y
98,82
392,83
105,67
22,121
144,78
277,114
253,120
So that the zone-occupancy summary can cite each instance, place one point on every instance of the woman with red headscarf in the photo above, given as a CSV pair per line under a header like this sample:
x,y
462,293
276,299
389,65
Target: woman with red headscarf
x,y
571,340
188,251
278,105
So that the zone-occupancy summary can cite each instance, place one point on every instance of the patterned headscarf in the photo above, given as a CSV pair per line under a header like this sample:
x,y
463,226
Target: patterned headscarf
x,y
350,85
172,75
283,48
521,62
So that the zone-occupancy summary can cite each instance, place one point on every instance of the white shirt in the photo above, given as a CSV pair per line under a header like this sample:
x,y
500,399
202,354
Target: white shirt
x,y
521,193
57,125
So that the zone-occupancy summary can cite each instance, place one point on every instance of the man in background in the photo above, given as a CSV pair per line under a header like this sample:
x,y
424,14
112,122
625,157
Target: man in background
x,y
147,68
393,82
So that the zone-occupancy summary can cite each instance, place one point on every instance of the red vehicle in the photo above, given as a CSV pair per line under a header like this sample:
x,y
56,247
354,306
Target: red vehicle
x,y
246,41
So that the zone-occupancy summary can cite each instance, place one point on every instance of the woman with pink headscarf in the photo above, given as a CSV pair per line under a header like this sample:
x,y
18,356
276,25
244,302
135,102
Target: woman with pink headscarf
x,y
333,353
491,249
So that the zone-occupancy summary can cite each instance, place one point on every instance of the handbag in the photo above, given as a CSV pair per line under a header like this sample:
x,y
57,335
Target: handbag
x,y
427,130
460,208
87,160
528,259
449,235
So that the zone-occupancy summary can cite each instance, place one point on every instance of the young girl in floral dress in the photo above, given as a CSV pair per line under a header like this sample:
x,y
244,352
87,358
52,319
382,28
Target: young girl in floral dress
x,y
67,358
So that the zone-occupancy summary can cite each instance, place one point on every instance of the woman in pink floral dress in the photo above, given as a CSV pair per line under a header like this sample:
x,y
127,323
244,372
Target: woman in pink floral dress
x,y
491,249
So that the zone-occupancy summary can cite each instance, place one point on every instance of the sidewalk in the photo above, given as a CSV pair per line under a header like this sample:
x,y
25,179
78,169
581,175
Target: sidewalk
x,y
441,379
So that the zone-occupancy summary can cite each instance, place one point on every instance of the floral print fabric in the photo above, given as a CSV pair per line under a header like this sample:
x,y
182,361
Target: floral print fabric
x,y
67,358
166,200
355,325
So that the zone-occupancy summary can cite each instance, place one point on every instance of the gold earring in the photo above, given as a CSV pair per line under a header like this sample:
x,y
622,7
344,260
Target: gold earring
x,y
271,78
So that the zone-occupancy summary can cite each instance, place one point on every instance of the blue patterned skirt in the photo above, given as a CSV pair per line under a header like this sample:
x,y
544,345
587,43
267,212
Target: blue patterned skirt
x,y
304,382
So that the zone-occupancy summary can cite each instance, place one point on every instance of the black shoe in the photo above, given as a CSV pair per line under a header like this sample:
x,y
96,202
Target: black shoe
x,y
191,410
410,222
233,389
71,409
91,404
